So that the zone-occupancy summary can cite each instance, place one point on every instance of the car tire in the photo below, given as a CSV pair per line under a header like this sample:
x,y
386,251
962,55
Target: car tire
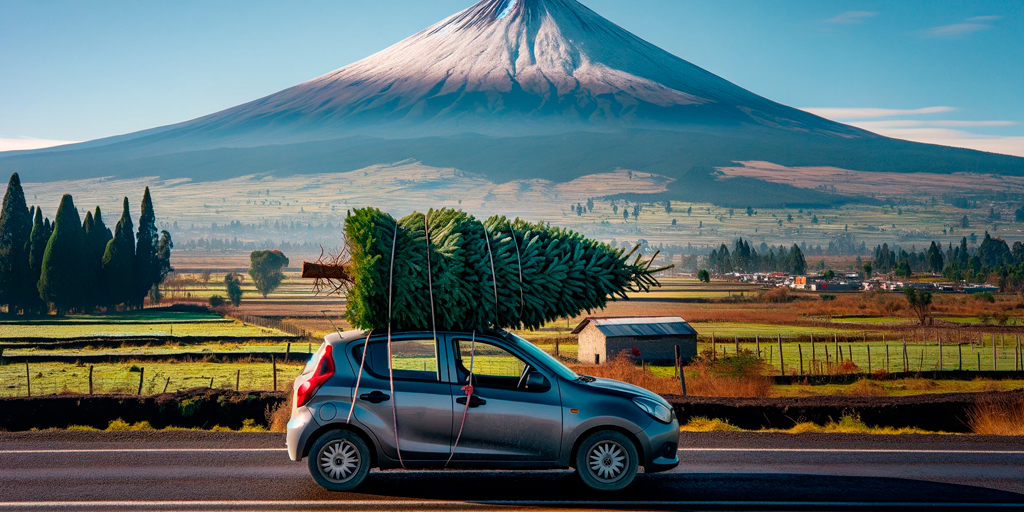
x,y
607,461
339,460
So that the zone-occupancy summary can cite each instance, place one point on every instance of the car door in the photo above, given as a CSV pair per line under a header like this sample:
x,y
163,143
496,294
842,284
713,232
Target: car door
x,y
505,421
422,397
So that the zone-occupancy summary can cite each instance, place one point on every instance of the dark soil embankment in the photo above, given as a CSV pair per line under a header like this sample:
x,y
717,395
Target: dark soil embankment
x,y
197,408
934,412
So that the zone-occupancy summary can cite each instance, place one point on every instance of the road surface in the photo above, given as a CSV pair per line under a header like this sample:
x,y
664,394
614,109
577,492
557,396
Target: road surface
x,y
720,471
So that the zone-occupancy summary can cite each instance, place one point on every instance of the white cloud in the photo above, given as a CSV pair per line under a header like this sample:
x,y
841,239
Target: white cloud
x,y
23,143
931,131
1007,145
852,17
967,27
916,123
869,113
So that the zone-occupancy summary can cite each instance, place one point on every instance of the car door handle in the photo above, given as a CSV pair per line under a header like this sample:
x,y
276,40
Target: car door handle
x,y
475,401
375,398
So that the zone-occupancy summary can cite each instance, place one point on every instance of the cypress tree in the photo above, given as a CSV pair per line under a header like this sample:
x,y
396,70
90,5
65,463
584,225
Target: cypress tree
x,y
15,230
147,267
61,280
118,262
36,247
96,237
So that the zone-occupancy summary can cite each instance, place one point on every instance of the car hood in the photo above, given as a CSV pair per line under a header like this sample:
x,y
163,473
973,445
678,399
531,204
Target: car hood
x,y
625,389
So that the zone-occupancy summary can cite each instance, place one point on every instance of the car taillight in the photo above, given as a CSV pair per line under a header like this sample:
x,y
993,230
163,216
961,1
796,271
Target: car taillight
x,y
324,371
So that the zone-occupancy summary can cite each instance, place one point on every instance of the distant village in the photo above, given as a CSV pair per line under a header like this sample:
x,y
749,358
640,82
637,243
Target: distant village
x,y
852,282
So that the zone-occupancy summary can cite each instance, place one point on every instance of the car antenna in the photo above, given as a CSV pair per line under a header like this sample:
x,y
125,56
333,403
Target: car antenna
x,y
324,312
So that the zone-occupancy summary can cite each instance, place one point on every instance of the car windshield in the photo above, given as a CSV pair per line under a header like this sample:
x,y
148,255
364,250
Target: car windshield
x,y
547,359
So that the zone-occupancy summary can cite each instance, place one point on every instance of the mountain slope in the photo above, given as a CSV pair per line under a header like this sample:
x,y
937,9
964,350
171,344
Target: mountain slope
x,y
549,85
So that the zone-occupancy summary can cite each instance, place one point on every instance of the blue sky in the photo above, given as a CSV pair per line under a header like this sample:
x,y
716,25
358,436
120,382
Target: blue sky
x,y
936,71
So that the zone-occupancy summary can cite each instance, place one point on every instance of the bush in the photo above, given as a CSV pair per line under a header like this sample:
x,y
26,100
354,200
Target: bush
x,y
983,296
216,301
776,295
998,417
741,375
827,297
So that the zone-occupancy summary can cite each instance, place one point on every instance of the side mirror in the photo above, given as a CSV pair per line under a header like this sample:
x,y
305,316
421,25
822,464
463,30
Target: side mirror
x,y
536,381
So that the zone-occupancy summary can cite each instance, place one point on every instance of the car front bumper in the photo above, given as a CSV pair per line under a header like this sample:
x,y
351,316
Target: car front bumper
x,y
662,446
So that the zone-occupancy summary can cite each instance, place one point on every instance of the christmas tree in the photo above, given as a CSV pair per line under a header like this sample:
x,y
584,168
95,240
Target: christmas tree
x,y
496,273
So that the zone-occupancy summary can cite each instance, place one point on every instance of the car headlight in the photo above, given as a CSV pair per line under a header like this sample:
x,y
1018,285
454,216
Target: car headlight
x,y
656,410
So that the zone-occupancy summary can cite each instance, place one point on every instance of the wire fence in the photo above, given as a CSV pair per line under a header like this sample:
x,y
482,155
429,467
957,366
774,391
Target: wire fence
x,y
831,355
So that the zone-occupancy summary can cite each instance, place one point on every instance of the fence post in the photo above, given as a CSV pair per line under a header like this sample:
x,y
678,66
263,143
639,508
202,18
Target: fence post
x,y
142,374
814,357
960,357
556,347
782,360
168,383
868,348
238,377
839,355
828,360
287,351
906,357
679,368
995,355
211,382
714,348
757,345
940,352
28,380
737,340
90,379
979,360
800,350
273,367
887,358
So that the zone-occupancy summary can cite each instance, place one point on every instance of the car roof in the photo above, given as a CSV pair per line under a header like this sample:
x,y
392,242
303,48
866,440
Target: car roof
x,y
357,334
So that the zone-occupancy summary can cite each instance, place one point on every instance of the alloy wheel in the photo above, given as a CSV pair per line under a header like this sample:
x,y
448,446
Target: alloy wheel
x,y
607,461
339,461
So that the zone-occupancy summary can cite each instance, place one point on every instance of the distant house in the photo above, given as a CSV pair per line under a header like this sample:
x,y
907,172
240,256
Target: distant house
x,y
653,337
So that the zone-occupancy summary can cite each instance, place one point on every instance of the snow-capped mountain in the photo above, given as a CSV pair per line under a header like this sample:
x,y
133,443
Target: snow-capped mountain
x,y
537,66
514,89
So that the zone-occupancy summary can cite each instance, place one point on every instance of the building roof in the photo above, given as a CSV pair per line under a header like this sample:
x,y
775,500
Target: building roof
x,y
638,326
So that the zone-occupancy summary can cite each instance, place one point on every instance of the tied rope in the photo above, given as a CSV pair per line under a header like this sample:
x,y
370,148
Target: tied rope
x,y
359,377
430,282
522,301
494,276
391,373
468,388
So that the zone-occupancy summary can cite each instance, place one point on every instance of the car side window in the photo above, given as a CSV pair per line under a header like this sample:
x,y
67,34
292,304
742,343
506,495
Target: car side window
x,y
493,366
411,359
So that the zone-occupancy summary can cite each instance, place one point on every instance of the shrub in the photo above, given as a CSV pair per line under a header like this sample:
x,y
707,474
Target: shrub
x,y
216,301
983,296
997,417
741,375
827,297
776,295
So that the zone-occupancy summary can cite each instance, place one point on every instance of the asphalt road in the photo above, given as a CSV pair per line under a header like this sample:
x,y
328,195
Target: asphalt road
x,y
721,471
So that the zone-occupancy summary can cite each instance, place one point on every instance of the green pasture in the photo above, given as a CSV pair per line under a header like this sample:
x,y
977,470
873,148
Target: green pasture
x,y
57,378
898,387
725,331
232,328
920,356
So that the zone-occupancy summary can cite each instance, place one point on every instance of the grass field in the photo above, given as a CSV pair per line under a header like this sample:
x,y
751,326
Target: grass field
x,y
135,324
57,378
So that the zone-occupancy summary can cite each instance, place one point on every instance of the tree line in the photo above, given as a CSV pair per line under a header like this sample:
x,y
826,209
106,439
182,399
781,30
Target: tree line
x,y
76,265
743,258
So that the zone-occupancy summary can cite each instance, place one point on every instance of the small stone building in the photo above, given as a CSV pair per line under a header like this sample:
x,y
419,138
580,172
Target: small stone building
x,y
654,337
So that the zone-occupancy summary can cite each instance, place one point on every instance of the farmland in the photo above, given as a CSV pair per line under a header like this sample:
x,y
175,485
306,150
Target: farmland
x,y
186,346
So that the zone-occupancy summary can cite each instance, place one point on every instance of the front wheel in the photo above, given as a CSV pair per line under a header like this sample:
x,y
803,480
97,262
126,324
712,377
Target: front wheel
x,y
607,461
339,461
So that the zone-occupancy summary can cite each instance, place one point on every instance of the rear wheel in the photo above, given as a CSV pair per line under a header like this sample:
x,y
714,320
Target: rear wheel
x,y
339,461
607,461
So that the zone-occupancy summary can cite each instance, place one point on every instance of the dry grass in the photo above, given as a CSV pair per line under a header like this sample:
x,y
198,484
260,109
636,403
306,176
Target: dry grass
x,y
998,418
740,376
278,417
845,425
623,368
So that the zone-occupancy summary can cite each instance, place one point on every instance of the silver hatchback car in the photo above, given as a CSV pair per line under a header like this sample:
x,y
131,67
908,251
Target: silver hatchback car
x,y
527,411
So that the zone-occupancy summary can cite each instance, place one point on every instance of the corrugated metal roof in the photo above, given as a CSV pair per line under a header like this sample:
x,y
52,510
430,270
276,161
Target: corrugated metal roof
x,y
639,326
